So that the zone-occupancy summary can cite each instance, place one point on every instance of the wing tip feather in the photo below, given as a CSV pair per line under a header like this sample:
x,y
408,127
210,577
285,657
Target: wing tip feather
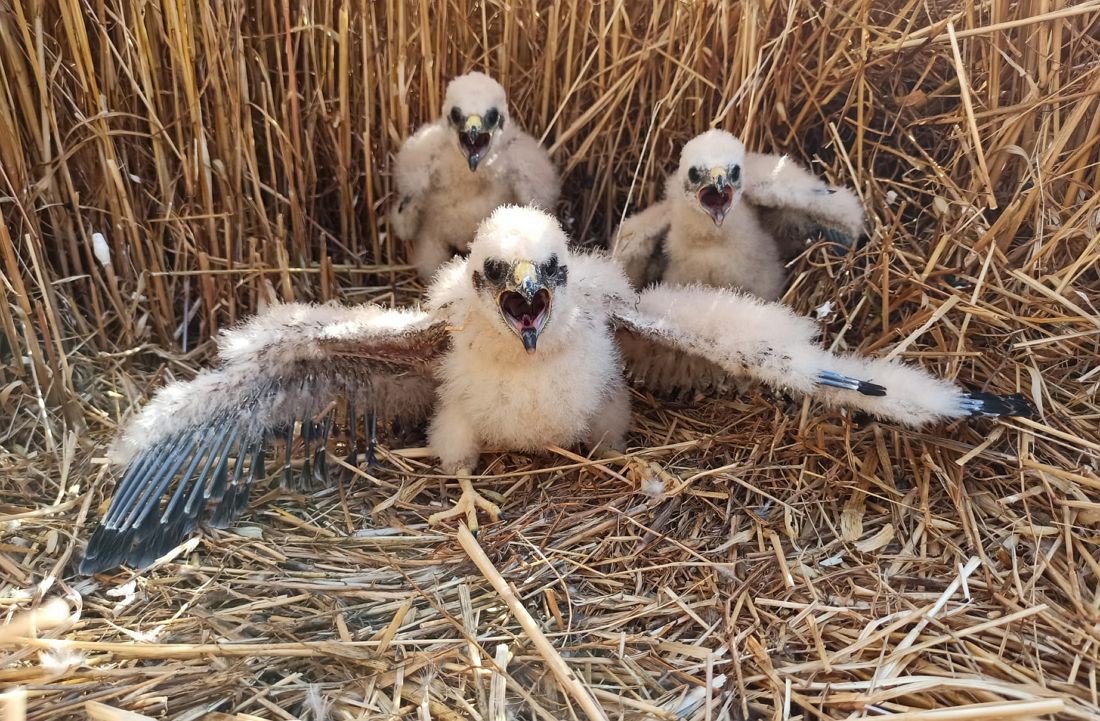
x,y
975,403
837,380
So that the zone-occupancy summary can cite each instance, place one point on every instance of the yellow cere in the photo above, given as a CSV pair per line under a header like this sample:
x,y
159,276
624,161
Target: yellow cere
x,y
523,270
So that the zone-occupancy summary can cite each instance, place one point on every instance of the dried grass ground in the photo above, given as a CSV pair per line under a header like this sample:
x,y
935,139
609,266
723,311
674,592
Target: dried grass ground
x,y
785,563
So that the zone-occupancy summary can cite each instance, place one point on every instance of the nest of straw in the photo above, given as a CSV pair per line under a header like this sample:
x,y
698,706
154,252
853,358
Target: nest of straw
x,y
166,166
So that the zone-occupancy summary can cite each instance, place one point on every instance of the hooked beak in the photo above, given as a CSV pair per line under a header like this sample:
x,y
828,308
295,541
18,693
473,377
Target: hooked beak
x,y
717,197
525,304
474,140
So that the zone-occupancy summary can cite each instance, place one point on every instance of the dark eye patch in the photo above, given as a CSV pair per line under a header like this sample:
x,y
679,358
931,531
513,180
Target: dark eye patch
x,y
492,117
456,115
734,173
553,272
496,270
695,175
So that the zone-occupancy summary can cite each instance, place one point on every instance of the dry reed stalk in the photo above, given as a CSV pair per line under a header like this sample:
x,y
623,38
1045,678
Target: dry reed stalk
x,y
166,167
1011,709
14,705
553,658
102,712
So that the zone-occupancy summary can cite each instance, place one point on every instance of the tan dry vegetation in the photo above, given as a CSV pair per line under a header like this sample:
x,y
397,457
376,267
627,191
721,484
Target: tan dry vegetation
x,y
822,570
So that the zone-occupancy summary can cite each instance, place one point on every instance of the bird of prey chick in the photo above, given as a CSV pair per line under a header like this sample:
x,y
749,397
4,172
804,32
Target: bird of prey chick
x,y
455,170
729,218
522,345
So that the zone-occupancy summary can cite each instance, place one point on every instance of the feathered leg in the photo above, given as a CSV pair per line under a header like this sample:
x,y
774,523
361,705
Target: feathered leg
x,y
452,439
608,428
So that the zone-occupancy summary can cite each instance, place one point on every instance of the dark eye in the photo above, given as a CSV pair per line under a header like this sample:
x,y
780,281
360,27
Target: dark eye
x,y
496,270
550,267
695,175
456,115
735,173
492,117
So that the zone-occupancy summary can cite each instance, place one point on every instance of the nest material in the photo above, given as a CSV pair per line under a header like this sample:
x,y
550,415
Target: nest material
x,y
168,167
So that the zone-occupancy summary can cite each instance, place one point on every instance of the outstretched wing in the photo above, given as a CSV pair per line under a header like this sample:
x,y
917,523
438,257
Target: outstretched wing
x,y
695,337
412,175
532,174
289,374
639,244
795,205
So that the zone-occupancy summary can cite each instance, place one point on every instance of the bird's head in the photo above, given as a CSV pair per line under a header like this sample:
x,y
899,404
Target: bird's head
x,y
709,175
518,269
476,108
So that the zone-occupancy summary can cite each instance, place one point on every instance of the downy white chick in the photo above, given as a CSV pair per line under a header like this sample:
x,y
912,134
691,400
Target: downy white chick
x,y
522,346
455,170
729,218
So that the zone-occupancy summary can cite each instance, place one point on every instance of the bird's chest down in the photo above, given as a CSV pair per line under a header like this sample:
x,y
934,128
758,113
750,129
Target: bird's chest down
x,y
460,206
710,263
745,260
529,402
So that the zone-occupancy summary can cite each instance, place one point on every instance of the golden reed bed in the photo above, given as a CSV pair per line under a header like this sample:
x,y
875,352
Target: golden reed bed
x,y
794,566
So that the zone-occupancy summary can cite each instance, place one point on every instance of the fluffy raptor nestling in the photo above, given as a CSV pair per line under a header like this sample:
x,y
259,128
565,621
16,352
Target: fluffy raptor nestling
x,y
729,218
455,170
523,344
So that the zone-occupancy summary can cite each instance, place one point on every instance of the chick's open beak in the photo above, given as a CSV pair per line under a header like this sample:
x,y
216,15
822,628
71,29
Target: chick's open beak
x,y
525,303
474,140
717,197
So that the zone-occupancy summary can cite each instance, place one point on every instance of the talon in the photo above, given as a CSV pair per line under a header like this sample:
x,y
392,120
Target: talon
x,y
467,504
